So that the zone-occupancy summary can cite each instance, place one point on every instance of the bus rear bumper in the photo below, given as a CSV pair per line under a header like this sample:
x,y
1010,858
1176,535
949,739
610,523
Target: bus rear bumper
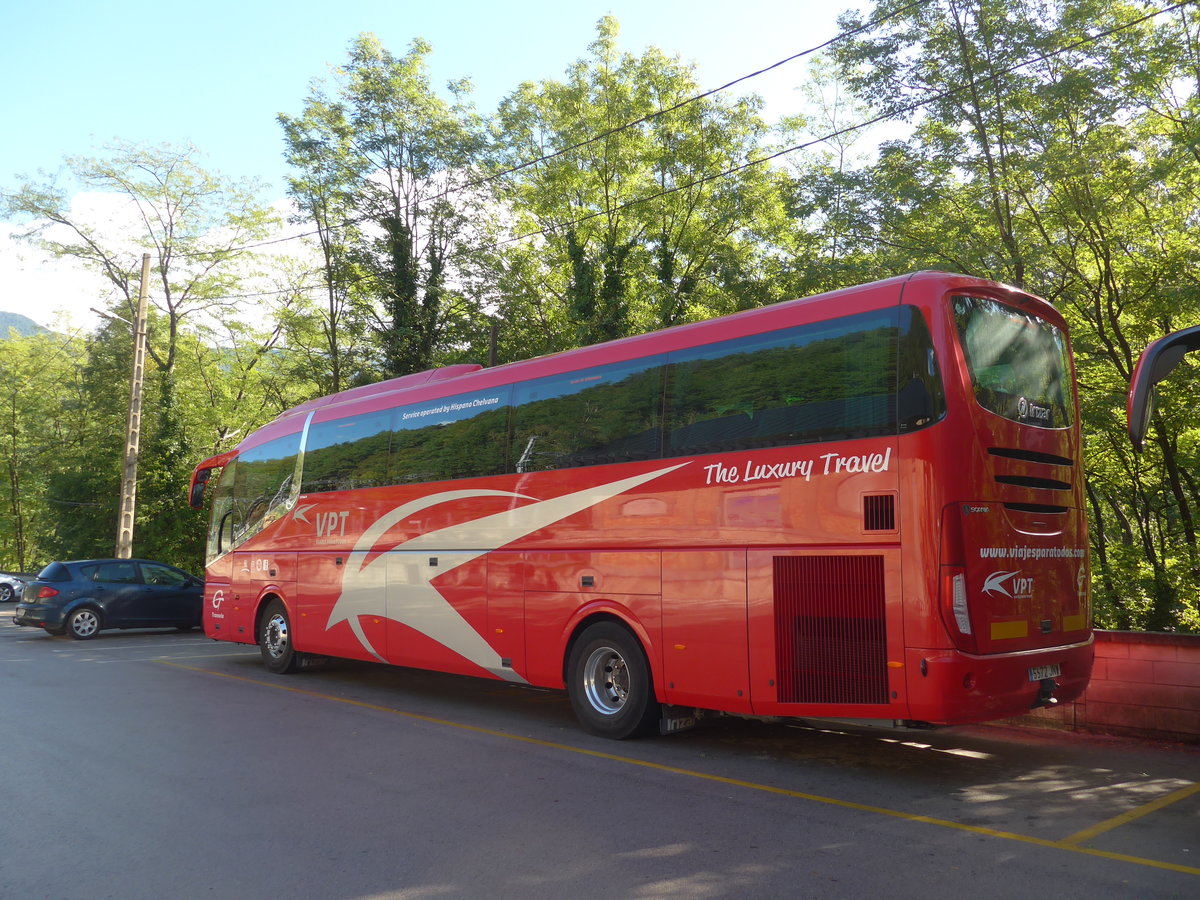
x,y
948,687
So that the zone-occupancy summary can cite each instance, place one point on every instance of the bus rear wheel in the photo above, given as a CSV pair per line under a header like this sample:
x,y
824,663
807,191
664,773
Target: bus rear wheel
x,y
275,640
608,681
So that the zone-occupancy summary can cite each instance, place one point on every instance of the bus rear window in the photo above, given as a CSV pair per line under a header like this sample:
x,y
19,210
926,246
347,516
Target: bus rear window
x,y
1018,362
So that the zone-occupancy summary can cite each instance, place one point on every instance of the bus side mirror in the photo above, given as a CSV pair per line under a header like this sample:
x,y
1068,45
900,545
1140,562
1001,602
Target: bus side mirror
x,y
196,495
1156,363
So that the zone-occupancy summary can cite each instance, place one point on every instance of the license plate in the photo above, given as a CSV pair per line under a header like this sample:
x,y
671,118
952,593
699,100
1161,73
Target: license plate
x,y
1037,673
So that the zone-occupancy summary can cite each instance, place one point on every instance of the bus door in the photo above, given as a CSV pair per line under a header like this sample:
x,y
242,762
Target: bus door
x,y
506,608
705,656
218,578
218,571
436,610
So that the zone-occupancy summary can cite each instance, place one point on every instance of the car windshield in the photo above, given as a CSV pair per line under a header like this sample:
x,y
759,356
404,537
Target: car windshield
x,y
1018,362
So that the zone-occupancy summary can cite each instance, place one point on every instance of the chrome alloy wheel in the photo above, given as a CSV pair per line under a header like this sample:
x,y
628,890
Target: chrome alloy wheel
x,y
275,635
606,680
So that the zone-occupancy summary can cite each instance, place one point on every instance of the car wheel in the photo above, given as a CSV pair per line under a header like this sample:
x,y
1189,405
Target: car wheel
x,y
275,640
6,593
609,683
83,623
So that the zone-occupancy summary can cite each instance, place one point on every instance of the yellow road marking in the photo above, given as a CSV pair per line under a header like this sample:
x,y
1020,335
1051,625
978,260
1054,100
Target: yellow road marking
x,y
1068,844
1126,817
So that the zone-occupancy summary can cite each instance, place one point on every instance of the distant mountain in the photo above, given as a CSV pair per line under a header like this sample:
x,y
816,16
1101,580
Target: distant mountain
x,y
25,326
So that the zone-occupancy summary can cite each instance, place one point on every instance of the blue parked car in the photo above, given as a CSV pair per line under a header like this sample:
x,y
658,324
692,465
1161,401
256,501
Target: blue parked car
x,y
80,598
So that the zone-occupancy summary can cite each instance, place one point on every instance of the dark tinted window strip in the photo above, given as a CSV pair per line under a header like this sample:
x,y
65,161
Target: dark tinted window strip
x,y
823,381
867,375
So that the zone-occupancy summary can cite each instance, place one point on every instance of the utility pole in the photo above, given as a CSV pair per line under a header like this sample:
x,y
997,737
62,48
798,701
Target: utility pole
x,y
134,430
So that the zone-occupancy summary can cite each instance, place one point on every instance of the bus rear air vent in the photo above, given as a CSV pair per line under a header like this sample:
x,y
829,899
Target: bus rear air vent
x,y
879,512
1039,484
1030,456
1039,509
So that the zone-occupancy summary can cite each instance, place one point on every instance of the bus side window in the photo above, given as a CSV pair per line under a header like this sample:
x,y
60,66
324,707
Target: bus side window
x,y
920,400
826,381
258,488
344,454
464,436
589,417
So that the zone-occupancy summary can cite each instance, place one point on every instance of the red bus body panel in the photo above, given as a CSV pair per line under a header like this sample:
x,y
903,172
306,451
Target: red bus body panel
x,y
758,582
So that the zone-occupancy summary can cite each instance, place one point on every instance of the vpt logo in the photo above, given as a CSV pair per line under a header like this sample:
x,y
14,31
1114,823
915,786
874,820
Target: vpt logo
x,y
1008,584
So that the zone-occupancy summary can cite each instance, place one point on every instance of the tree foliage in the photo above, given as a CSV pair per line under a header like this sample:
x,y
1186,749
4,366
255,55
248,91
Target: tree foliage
x,y
196,226
380,163
1053,147
620,228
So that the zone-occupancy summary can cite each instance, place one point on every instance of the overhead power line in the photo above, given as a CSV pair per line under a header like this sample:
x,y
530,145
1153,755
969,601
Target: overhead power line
x,y
480,182
893,114
884,117
682,103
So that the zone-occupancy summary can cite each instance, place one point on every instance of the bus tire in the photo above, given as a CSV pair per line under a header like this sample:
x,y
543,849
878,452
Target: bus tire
x,y
275,640
609,683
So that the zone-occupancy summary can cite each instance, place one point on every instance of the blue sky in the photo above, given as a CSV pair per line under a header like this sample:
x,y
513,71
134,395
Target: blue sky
x,y
77,73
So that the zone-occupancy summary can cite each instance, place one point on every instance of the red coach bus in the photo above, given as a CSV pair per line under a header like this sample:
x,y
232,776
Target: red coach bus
x,y
866,504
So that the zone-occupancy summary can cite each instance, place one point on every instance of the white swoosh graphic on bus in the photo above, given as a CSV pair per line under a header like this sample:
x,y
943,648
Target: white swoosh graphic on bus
x,y
994,584
397,586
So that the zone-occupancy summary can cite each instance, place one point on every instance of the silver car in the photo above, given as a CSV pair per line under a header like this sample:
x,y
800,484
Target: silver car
x,y
11,586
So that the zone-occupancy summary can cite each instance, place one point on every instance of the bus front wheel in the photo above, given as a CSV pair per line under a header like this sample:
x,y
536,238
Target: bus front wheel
x,y
609,683
275,640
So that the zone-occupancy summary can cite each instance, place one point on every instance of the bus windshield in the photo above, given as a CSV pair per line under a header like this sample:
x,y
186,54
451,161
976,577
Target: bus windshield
x,y
1018,362
255,489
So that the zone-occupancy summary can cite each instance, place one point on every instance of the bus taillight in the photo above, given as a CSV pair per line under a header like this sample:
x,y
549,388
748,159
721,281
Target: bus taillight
x,y
956,610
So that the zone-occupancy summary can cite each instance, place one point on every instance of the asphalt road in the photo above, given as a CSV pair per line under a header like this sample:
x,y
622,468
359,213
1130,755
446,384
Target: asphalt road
x,y
153,764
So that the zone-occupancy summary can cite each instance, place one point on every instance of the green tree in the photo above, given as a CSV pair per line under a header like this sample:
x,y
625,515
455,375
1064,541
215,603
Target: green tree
x,y
1054,149
159,200
327,174
382,165
37,376
628,208
196,226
